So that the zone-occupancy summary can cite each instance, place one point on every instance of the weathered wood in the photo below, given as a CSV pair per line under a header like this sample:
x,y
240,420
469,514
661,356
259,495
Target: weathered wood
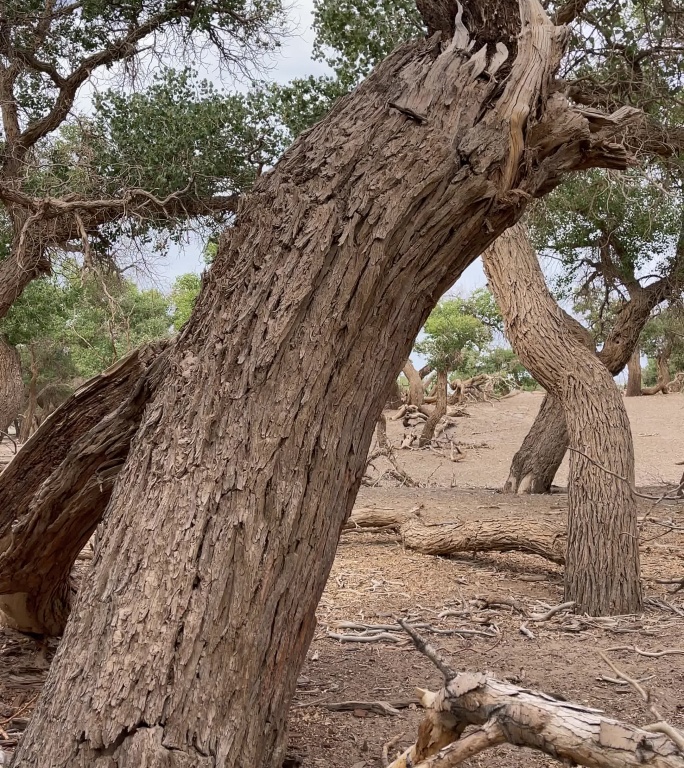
x,y
533,537
55,490
572,733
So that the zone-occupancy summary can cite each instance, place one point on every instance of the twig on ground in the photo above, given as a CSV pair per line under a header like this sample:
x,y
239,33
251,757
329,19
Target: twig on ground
x,y
552,611
650,654
386,708
387,746
526,632
427,650
371,638
662,726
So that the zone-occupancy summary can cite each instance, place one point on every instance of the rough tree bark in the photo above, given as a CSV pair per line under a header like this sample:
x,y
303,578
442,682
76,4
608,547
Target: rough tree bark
x,y
223,524
535,464
634,374
602,561
415,380
438,411
54,491
11,384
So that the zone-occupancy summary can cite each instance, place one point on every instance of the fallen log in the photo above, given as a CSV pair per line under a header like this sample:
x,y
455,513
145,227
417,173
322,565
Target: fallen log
x,y
506,713
533,537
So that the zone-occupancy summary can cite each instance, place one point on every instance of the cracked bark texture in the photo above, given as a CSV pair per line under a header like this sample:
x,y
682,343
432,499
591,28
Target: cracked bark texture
x,y
535,464
55,490
602,560
223,524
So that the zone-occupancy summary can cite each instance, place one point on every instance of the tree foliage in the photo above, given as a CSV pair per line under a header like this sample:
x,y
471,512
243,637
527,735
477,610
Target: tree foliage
x,y
450,330
74,326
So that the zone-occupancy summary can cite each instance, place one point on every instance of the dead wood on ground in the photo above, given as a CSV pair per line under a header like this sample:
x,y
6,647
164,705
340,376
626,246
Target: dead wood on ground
x,y
506,713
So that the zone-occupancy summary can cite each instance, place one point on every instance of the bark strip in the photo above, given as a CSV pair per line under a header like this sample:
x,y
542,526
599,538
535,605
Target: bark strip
x,y
55,490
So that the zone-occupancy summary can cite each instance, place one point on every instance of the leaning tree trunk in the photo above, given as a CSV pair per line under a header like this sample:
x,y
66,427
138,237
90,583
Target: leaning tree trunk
x,y
634,374
438,411
535,465
416,389
11,385
537,460
189,634
54,491
602,561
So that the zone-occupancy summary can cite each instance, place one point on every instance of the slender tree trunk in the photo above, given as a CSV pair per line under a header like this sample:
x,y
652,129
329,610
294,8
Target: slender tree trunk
x,y
438,411
537,460
189,634
11,385
29,418
416,389
54,491
394,401
634,374
602,562
535,465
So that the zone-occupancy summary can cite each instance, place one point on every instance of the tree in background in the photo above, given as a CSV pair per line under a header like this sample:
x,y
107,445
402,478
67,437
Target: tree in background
x,y
71,326
450,331
66,179
662,340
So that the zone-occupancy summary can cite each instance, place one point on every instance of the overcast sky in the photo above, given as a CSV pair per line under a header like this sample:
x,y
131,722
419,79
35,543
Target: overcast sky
x,y
293,60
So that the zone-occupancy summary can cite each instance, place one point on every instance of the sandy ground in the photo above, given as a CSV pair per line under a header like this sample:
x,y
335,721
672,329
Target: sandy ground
x,y
374,580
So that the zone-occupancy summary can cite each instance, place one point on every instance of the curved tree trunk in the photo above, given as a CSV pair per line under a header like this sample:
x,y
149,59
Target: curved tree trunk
x,y
11,385
189,634
535,465
663,368
54,491
438,411
634,374
602,562
537,460
416,389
